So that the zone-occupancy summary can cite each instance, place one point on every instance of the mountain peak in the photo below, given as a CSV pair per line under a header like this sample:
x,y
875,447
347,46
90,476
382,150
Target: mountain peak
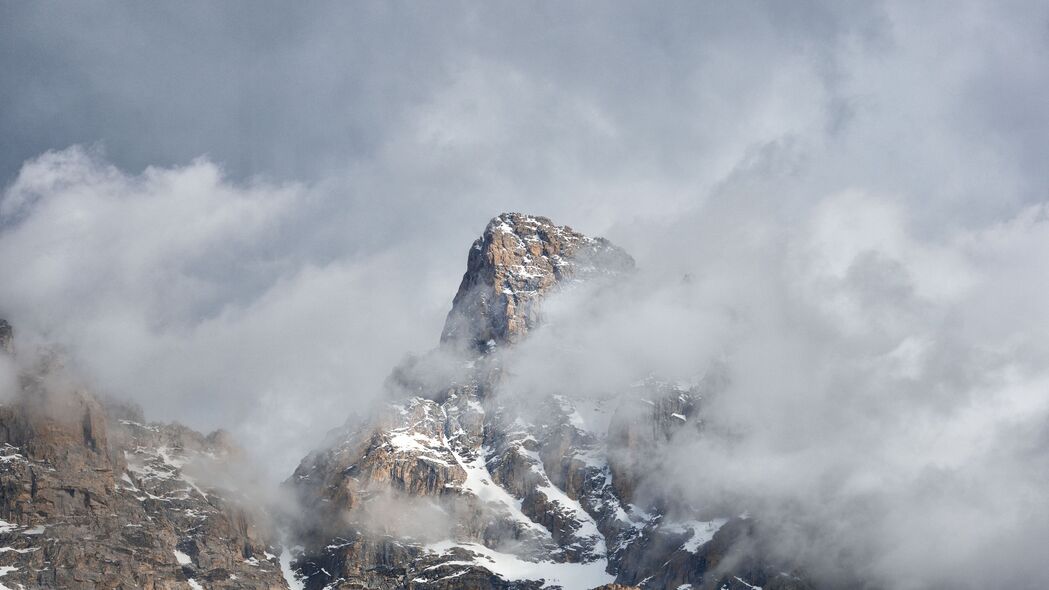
x,y
515,263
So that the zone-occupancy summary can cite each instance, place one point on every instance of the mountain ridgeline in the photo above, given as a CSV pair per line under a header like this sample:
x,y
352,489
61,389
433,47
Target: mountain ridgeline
x,y
451,482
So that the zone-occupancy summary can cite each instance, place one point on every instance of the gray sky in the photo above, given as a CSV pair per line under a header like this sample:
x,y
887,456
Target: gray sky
x,y
244,214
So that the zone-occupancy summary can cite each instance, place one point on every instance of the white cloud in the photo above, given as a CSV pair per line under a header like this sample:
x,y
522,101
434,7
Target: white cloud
x,y
183,291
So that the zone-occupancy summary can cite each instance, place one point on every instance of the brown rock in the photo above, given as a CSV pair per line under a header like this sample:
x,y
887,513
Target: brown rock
x,y
517,261
93,498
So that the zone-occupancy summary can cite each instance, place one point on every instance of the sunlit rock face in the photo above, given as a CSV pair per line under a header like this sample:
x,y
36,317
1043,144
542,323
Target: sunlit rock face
x,y
93,496
453,483
516,262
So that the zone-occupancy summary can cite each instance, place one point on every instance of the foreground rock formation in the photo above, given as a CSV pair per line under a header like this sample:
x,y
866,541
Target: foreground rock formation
x,y
92,496
454,483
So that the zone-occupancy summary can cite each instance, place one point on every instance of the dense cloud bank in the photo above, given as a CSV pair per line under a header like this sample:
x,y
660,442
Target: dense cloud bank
x,y
877,400
258,226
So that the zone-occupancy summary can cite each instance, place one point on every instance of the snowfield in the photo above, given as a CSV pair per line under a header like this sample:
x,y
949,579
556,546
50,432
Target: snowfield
x,y
570,576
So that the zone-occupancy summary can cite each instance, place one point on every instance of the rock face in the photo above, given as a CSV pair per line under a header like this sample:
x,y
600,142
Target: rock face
x,y
517,261
91,496
454,483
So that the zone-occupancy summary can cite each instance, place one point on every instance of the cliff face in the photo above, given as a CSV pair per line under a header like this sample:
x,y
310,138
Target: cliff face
x,y
452,484
516,262
92,496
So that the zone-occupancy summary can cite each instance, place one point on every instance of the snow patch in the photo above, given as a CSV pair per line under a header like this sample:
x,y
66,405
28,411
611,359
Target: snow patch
x,y
294,583
416,442
702,531
587,525
479,483
569,576
4,570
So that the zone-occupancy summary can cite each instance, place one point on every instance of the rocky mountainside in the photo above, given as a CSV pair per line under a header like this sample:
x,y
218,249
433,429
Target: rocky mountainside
x,y
92,496
455,483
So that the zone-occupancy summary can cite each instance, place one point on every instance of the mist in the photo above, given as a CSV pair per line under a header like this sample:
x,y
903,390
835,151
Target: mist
x,y
841,206
881,401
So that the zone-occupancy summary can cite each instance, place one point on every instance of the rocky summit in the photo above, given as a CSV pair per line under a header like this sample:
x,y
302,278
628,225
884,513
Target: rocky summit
x,y
454,481
516,262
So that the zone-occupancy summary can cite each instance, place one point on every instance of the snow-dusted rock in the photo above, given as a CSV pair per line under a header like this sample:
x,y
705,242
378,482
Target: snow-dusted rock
x,y
92,496
452,484
516,262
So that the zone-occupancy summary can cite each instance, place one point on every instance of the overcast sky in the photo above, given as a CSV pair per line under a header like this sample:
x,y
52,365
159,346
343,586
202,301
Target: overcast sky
x,y
243,214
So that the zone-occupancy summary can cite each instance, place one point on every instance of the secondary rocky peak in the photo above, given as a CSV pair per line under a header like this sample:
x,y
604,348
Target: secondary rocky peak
x,y
516,262
93,496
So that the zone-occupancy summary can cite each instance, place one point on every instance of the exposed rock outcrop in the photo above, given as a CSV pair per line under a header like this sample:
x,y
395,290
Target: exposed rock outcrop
x,y
91,496
515,263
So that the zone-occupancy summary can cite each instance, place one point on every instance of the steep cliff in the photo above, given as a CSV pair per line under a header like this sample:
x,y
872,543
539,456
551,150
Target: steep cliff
x,y
92,496
517,261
